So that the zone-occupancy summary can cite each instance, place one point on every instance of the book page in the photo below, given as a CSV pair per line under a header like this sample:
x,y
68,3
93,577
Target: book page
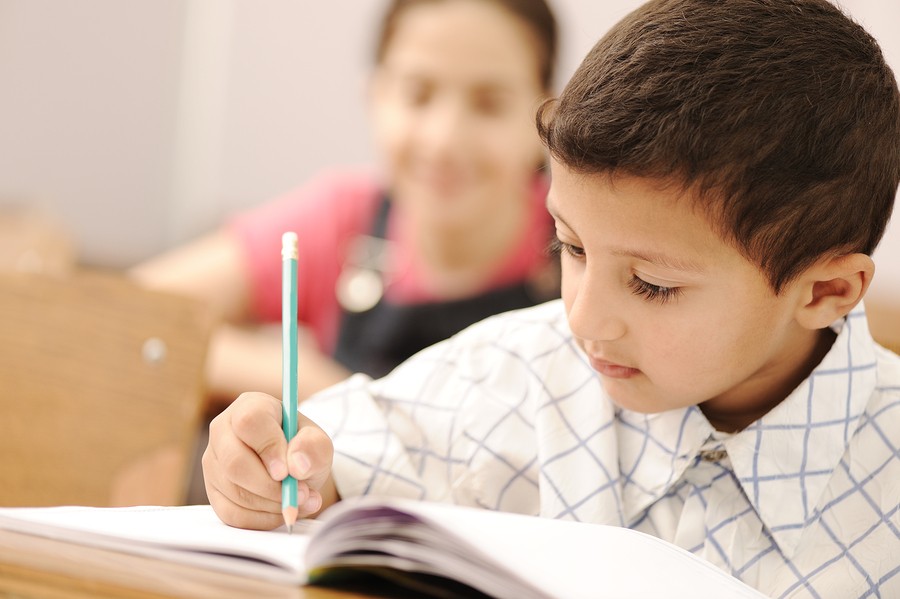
x,y
187,534
562,558
505,555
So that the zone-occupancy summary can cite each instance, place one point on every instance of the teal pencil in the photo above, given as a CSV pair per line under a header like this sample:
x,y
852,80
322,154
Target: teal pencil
x,y
289,366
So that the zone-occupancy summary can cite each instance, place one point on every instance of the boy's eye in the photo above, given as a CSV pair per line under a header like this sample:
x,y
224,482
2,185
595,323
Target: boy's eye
x,y
651,292
640,287
558,247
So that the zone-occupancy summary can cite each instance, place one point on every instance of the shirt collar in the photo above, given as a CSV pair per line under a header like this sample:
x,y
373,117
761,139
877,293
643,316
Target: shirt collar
x,y
654,452
783,460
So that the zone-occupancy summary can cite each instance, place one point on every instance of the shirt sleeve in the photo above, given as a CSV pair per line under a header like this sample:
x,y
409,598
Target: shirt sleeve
x,y
455,423
325,213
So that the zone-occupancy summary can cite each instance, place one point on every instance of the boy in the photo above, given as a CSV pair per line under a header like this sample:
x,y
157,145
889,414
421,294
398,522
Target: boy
x,y
722,172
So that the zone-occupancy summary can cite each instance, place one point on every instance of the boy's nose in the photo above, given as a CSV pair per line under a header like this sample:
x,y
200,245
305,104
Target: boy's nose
x,y
594,314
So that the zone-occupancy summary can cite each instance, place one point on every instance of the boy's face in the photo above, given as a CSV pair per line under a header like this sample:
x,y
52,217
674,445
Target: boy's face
x,y
667,312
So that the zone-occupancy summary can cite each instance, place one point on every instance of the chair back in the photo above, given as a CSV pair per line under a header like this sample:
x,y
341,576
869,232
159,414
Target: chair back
x,y
101,390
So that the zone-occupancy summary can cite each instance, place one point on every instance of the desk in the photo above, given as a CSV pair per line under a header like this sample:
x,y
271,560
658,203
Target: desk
x,y
31,568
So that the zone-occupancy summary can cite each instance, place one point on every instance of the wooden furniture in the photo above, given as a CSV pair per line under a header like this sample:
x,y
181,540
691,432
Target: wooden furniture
x,y
100,390
34,241
32,567
884,322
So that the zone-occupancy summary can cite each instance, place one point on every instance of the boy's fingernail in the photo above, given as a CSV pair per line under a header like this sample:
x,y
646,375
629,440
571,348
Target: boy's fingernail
x,y
301,464
312,504
277,469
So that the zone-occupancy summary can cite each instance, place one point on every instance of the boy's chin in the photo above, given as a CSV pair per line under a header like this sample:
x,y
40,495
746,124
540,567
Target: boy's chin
x,y
633,402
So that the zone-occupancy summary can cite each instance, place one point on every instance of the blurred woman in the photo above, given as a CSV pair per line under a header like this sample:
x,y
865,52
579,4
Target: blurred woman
x,y
448,228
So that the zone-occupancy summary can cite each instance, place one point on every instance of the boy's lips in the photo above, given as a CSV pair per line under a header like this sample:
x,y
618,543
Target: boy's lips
x,y
611,369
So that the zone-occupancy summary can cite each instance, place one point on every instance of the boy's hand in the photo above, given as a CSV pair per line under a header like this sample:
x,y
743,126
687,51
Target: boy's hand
x,y
248,456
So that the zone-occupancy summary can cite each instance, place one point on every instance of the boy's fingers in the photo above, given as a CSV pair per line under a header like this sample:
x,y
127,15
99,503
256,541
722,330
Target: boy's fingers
x,y
256,421
312,504
310,454
235,515
235,471
246,460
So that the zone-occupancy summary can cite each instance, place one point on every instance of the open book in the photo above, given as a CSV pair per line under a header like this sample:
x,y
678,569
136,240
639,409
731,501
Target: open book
x,y
431,548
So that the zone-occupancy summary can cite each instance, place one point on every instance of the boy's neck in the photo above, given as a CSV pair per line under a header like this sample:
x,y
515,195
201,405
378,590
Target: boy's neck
x,y
771,388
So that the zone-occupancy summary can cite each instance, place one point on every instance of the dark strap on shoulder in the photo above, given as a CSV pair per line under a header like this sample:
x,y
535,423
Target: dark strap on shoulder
x,y
379,223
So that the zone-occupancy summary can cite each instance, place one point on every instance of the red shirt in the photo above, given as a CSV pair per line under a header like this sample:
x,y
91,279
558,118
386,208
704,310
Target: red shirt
x,y
327,213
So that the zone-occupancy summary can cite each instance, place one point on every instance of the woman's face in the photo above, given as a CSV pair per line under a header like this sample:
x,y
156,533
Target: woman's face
x,y
453,104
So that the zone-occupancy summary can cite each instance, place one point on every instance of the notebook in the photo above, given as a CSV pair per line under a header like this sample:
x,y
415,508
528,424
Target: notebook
x,y
434,549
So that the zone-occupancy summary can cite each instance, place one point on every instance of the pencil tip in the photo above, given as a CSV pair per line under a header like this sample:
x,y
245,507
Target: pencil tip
x,y
290,514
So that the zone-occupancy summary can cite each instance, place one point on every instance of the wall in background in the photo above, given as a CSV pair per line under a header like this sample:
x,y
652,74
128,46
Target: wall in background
x,y
142,124
86,116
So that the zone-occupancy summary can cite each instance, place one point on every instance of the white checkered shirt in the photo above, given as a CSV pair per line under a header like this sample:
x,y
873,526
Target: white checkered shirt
x,y
508,415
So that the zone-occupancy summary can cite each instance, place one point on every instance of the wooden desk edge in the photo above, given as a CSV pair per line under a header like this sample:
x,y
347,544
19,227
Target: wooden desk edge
x,y
38,567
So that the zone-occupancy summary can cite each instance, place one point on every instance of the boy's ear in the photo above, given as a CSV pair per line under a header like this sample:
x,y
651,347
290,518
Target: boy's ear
x,y
832,287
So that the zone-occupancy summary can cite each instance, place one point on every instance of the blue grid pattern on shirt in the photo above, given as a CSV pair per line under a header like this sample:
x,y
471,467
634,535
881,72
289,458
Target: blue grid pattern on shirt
x,y
536,399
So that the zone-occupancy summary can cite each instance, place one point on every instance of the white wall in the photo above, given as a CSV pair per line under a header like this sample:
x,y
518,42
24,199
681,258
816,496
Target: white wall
x,y
291,97
143,123
881,19
86,116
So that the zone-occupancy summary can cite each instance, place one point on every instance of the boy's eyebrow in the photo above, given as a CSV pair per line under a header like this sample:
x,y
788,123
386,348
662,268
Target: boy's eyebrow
x,y
660,260
652,257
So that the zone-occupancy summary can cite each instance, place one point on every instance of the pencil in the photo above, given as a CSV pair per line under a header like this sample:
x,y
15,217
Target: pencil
x,y
289,507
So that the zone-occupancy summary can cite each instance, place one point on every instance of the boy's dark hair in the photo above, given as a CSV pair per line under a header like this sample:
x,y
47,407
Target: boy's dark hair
x,y
536,14
782,115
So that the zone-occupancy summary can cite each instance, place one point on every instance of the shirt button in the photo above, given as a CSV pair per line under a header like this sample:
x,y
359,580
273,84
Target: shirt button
x,y
713,455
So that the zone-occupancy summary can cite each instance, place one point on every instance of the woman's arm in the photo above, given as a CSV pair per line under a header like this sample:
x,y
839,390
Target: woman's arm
x,y
243,355
249,359
211,269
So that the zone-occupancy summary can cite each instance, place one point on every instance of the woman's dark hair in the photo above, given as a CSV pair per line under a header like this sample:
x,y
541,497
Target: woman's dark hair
x,y
536,14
